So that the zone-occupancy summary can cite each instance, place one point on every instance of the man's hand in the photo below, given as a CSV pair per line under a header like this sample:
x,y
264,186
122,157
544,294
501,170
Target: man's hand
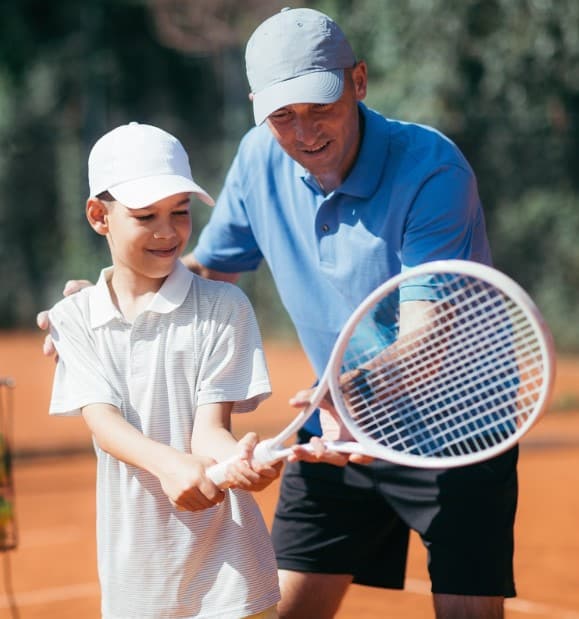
x,y
332,430
71,286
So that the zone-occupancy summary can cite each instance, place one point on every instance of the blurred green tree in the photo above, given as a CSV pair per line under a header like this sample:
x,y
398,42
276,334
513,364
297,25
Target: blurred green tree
x,y
500,77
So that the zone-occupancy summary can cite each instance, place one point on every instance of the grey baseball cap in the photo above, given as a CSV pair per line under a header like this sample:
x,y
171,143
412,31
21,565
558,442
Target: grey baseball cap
x,y
296,56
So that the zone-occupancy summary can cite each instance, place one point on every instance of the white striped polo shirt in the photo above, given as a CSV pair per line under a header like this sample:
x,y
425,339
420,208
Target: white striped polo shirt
x,y
197,343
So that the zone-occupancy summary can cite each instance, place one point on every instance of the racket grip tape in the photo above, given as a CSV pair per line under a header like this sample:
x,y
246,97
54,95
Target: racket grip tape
x,y
262,454
217,473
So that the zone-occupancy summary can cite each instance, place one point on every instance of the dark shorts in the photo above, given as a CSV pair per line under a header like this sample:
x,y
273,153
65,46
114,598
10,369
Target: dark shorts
x,y
356,520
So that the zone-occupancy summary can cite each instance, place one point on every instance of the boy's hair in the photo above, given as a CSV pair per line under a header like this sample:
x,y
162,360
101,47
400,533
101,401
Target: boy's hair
x,y
138,165
105,196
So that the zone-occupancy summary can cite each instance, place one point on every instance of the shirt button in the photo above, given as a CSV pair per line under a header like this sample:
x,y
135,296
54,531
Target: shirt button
x,y
325,228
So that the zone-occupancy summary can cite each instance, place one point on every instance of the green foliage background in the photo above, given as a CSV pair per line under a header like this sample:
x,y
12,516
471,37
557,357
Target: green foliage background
x,y
500,77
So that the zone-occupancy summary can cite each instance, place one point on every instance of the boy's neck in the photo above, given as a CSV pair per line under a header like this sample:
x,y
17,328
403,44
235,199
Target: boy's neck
x,y
132,294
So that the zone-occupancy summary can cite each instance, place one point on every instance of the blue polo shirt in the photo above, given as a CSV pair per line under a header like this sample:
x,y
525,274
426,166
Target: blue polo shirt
x,y
411,197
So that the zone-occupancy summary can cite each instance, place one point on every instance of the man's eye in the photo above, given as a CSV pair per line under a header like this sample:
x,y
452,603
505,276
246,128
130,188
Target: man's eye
x,y
144,217
181,213
279,116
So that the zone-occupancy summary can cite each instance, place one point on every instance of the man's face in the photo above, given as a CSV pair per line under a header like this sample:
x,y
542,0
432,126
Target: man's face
x,y
324,138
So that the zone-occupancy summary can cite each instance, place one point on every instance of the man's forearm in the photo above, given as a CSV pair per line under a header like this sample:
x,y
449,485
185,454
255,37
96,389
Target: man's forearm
x,y
195,266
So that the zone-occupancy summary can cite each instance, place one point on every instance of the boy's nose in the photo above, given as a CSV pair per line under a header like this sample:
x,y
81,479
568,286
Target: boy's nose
x,y
164,232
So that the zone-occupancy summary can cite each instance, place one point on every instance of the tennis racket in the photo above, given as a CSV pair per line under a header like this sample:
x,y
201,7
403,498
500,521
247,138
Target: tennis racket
x,y
446,364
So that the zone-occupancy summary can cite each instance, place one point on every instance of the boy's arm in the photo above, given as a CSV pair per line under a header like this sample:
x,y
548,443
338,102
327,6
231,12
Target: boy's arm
x,y
212,437
181,475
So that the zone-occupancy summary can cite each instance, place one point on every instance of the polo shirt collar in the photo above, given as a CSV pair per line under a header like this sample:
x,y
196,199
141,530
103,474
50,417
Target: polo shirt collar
x,y
170,296
366,175
173,291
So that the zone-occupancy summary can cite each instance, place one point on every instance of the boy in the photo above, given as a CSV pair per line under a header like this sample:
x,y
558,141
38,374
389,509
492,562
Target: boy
x,y
156,359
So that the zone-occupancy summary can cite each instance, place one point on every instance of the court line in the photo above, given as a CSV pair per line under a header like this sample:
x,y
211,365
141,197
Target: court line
x,y
52,594
420,587
525,607
52,536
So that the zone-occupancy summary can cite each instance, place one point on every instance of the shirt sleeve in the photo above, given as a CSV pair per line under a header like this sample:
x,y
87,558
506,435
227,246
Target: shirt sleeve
x,y
79,378
227,242
235,369
446,220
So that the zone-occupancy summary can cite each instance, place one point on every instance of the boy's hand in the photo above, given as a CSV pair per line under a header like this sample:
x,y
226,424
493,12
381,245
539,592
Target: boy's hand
x,y
247,474
71,286
187,487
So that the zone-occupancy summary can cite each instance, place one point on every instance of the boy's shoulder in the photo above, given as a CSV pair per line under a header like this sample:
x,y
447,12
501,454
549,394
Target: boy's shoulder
x,y
77,303
218,291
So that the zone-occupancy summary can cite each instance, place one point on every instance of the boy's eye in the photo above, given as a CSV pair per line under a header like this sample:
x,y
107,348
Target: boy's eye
x,y
144,217
183,212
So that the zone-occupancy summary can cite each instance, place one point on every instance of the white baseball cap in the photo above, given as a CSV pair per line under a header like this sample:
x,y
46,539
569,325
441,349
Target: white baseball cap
x,y
296,56
139,165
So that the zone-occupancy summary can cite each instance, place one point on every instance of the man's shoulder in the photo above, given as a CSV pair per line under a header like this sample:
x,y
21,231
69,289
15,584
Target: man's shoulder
x,y
424,143
260,146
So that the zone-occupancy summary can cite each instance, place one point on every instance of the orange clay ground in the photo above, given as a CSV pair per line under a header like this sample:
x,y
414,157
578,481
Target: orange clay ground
x,y
53,570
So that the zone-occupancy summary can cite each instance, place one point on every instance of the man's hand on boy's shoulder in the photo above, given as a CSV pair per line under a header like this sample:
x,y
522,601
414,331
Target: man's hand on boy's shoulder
x,y
71,286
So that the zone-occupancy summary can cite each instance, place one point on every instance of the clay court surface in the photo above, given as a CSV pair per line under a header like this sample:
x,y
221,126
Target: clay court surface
x,y
53,570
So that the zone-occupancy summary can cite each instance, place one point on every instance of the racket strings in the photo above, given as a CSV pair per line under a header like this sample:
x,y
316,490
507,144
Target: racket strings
x,y
461,385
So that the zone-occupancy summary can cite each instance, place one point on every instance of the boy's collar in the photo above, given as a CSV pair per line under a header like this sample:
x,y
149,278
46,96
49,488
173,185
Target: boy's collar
x,y
169,297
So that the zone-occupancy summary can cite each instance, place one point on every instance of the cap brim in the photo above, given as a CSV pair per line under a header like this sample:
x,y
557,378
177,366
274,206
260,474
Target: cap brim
x,y
143,192
316,87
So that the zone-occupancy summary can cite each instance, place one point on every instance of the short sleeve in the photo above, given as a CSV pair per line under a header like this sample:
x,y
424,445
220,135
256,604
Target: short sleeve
x,y
79,378
235,368
227,242
446,220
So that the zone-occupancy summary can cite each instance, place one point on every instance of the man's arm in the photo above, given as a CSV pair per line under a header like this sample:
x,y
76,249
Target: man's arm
x,y
195,266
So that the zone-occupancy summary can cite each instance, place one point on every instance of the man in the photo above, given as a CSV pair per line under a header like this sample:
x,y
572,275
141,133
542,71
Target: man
x,y
337,199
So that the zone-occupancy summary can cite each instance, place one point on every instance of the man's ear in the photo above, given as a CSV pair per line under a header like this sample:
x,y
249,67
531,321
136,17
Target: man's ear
x,y
97,215
360,79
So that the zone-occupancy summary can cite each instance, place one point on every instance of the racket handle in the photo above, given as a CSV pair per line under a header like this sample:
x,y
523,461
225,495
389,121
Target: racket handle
x,y
217,473
266,452
262,454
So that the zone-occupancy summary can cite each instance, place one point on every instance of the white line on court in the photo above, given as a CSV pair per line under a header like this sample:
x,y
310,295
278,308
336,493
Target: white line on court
x,y
420,587
52,594
524,607
52,536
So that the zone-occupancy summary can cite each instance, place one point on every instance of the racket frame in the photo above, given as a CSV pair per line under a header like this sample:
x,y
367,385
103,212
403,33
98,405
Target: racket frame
x,y
272,450
467,268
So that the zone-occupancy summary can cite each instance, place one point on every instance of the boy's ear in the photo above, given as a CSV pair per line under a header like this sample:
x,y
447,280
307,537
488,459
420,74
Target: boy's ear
x,y
97,215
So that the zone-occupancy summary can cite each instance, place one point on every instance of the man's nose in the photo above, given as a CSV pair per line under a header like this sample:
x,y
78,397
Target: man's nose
x,y
305,129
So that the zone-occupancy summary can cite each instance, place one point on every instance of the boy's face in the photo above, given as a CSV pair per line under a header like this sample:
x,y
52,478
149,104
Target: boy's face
x,y
147,241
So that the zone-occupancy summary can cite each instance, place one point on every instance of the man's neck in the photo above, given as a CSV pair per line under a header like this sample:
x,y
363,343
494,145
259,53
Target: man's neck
x,y
329,182
332,180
